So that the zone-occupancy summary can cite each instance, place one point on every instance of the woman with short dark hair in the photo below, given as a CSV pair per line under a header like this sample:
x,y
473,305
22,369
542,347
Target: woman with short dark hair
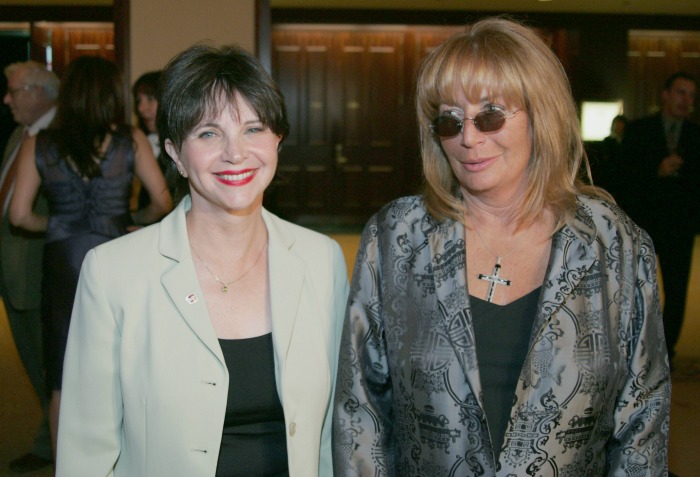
x,y
207,344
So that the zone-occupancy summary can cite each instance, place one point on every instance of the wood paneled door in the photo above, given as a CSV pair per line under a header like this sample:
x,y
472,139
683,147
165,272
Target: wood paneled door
x,y
346,100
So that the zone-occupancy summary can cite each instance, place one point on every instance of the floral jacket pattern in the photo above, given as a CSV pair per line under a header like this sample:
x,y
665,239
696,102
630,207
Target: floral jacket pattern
x,y
593,395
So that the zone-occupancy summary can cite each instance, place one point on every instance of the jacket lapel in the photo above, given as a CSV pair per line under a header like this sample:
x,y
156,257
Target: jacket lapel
x,y
180,280
286,284
448,263
572,260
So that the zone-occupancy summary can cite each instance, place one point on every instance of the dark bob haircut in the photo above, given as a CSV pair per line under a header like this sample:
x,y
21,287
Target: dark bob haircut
x,y
191,88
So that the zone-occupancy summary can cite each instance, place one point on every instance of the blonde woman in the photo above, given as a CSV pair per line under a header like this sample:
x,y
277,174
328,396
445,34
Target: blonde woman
x,y
507,321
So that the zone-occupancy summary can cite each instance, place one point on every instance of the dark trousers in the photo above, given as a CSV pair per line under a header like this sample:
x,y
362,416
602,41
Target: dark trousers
x,y
675,251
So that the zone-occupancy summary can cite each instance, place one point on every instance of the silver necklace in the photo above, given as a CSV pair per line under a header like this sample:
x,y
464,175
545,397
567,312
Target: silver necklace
x,y
225,285
495,278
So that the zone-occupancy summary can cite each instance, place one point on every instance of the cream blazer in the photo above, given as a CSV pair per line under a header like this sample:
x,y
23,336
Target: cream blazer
x,y
145,383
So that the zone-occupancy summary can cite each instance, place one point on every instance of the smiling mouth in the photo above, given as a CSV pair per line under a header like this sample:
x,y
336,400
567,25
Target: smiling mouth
x,y
479,165
236,177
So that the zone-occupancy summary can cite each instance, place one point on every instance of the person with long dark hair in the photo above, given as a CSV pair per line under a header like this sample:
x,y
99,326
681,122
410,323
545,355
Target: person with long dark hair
x,y
84,163
145,92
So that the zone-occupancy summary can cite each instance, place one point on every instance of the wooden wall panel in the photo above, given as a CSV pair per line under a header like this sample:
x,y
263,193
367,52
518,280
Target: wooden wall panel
x,y
652,57
67,41
346,89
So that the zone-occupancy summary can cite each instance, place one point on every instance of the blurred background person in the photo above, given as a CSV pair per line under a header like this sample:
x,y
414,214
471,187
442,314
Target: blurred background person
x,y
662,168
613,143
607,169
507,321
84,163
145,92
207,344
31,97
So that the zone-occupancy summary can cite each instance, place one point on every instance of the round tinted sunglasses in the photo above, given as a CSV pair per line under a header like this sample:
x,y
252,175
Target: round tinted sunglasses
x,y
491,120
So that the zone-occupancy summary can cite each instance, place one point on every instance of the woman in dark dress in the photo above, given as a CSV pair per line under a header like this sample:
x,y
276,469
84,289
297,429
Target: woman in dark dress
x,y
85,164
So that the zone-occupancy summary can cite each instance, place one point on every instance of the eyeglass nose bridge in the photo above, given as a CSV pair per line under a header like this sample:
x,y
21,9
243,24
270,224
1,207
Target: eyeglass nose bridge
x,y
461,122
473,120
482,117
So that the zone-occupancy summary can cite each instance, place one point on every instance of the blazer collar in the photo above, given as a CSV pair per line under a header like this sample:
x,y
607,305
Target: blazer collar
x,y
571,260
173,242
286,272
180,279
448,265
287,275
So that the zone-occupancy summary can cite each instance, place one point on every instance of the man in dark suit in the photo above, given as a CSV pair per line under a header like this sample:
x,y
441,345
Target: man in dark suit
x,y
31,95
662,159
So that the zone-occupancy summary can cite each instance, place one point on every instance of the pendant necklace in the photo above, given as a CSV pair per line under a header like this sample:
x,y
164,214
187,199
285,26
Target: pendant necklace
x,y
225,285
495,278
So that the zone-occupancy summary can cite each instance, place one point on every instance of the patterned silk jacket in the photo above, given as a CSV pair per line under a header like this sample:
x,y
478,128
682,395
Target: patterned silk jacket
x,y
594,392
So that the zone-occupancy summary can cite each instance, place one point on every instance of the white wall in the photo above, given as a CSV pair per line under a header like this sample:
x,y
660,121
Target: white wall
x,y
162,28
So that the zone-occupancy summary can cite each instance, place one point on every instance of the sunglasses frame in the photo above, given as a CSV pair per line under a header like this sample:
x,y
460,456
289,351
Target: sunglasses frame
x,y
460,122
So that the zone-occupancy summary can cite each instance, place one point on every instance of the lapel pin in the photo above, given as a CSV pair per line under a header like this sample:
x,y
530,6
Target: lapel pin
x,y
191,299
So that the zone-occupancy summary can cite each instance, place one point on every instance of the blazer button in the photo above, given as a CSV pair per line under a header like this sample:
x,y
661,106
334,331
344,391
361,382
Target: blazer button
x,y
292,429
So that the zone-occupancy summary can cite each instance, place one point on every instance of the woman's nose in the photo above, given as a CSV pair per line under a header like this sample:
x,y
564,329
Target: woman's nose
x,y
235,150
470,134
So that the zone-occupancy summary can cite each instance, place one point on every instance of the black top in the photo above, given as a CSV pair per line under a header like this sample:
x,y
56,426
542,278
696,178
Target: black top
x,y
502,335
254,443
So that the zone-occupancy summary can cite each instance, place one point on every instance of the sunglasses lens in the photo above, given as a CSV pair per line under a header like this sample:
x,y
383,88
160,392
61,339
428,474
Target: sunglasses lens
x,y
446,126
489,121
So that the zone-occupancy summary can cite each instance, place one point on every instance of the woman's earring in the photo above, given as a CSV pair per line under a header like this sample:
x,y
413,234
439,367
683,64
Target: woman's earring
x,y
182,173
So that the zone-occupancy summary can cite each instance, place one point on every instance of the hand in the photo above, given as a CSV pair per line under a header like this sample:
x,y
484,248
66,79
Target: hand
x,y
670,165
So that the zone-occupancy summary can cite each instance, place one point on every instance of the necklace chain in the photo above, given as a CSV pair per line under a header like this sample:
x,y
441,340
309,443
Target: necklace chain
x,y
499,257
225,285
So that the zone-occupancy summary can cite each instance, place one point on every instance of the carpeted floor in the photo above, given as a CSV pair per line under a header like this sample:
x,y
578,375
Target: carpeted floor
x,y
686,369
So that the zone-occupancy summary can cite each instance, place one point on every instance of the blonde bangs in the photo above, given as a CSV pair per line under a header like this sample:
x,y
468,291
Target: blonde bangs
x,y
511,65
472,66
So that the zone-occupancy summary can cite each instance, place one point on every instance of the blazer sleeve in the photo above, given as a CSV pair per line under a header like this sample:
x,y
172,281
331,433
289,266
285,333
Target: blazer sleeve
x,y
642,412
363,401
89,439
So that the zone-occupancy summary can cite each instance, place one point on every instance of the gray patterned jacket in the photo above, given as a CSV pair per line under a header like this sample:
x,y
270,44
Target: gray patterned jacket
x,y
593,395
